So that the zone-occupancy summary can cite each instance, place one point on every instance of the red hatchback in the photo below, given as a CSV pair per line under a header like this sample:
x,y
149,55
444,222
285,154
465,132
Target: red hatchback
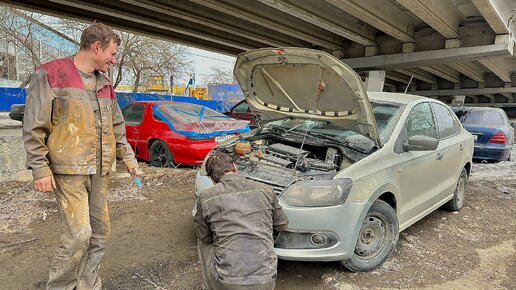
x,y
167,133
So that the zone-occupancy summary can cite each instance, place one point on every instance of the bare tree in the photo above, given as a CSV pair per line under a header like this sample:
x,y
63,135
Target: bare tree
x,y
138,56
21,35
144,56
72,29
128,47
220,75
18,34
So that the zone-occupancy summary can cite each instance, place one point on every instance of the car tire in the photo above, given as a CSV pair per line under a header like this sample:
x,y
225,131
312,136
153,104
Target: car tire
x,y
457,202
160,155
376,240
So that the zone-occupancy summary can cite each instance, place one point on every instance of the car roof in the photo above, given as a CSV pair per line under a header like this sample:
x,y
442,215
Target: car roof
x,y
476,109
395,97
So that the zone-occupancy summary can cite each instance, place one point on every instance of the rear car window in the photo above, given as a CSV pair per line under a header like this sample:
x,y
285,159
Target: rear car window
x,y
194,120
480,117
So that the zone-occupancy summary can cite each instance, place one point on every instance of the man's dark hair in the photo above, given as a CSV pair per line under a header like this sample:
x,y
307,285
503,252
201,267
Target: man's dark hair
x,y
219,164
98,32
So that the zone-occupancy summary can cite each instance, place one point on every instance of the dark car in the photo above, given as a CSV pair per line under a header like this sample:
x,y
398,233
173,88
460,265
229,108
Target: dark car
x,y
242,111
16,112
492,131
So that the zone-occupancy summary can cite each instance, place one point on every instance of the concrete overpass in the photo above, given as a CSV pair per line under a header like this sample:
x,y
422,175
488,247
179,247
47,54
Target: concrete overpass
x,y
447,47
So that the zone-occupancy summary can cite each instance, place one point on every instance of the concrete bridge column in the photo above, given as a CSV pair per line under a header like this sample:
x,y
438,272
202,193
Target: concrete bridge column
x,y
458,101
374,81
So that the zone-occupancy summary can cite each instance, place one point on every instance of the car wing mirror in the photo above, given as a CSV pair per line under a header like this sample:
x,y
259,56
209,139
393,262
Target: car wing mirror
x,y
421,143
513,124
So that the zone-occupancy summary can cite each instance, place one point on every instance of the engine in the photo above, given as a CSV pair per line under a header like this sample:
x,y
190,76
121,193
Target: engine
x,y
281,163
291,157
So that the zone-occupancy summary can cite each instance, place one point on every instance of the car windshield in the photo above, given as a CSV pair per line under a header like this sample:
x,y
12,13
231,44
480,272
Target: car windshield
x,y
480,117
386,115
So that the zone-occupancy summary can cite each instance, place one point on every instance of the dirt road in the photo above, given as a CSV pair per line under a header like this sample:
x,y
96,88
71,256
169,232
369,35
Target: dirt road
x,y
153,241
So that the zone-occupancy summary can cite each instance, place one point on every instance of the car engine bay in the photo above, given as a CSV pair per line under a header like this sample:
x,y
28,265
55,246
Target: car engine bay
x,y
280,160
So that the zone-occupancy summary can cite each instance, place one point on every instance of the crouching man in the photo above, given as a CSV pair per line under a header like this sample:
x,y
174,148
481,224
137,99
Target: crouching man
x,y
235,220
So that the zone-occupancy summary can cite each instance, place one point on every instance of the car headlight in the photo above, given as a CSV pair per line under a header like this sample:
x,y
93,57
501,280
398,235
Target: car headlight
x,y
318,192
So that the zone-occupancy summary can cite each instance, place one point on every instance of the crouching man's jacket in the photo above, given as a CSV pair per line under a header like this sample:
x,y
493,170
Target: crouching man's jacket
x,y
59,123
238,216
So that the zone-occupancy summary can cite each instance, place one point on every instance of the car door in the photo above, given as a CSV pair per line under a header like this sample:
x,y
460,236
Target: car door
x,y
450,151
133,117
416,176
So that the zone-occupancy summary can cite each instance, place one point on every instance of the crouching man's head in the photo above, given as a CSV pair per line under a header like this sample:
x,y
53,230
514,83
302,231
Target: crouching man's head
x,y
218,165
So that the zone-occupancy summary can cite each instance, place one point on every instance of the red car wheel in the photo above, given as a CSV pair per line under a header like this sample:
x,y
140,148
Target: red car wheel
x,y
160,155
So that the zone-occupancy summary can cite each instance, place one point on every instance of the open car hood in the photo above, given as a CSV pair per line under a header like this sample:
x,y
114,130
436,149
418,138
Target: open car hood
x,y
305,83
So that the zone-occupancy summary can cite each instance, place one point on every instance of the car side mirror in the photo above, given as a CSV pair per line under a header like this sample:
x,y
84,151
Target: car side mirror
x,y
513,124
421,143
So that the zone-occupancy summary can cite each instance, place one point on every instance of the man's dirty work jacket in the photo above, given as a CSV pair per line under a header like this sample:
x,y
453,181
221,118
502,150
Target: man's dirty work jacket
x,y
238,215
59,123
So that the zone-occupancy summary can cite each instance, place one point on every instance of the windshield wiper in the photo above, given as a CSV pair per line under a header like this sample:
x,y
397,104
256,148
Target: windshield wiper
x,y
346,142
288,131
325,136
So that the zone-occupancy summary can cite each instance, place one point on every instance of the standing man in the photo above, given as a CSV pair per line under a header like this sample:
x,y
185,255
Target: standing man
x,y
235,220
73,130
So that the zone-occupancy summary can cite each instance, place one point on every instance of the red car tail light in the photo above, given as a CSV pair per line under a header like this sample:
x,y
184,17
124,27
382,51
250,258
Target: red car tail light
x,y
498,138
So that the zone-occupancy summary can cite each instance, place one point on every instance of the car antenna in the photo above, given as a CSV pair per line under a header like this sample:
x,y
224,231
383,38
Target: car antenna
x,y
408,84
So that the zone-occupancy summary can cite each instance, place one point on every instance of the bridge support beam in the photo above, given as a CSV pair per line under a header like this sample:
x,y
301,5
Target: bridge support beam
x,y
375,81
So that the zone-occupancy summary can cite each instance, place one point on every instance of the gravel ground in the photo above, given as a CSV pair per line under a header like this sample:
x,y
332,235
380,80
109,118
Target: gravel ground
x,y
153,240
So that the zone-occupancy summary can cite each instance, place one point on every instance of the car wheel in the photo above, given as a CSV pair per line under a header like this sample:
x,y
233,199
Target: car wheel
x,y
457,202
160,155
376,240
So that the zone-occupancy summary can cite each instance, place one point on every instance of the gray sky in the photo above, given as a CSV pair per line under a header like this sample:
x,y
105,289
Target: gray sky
x,y
203,60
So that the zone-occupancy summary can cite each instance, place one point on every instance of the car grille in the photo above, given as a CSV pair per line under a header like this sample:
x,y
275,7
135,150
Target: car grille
x,y
278,178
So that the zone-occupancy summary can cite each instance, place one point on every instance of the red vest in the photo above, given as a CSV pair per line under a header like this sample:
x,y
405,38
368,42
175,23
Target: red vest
x,y
63,74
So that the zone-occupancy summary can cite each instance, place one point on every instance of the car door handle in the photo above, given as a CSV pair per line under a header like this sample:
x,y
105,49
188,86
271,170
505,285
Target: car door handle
x,y
439,156
461,147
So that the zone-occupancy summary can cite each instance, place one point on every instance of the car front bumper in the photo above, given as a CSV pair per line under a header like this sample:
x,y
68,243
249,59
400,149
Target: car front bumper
x,y
320,233
339,225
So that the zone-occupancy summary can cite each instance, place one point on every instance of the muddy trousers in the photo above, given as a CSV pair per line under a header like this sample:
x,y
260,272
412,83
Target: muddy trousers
x,y
82,202
206,257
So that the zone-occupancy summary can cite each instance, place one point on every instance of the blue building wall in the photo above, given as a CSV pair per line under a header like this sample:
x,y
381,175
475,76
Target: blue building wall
x,y
10,96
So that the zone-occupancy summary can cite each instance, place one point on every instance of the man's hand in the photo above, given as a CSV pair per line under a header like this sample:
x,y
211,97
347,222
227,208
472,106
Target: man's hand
x,y
45,184
132,171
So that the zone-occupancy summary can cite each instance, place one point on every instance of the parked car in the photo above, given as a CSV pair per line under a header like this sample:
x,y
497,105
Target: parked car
x,y
242,111
167,133
492,131
351,169
16,112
